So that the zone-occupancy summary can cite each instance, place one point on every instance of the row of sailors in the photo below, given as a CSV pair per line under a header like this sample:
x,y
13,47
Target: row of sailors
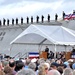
x,y
37,19
27,20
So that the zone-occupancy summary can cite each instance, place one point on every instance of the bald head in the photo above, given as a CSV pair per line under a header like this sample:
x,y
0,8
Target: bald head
x,y
74,72
67,71
53,72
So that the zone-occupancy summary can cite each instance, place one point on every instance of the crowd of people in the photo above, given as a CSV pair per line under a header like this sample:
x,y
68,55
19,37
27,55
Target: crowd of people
x,y
39,66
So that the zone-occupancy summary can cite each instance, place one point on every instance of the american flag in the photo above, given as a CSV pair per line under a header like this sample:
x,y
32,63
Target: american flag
x,y
69,16
33,55
73,16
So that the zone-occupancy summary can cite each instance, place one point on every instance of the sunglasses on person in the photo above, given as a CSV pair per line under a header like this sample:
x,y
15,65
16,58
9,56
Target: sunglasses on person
x,y
46,68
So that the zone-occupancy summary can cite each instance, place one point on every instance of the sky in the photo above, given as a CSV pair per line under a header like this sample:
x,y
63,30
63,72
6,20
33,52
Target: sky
x,y
23,8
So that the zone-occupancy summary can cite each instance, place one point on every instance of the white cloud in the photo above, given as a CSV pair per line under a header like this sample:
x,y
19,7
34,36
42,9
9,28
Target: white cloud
x,y
29,8
23,7
1,1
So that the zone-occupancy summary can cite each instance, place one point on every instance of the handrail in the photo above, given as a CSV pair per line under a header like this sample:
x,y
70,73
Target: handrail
x,y
25,54
17,54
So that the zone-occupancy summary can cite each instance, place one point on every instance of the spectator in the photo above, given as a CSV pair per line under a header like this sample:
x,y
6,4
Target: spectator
x,y
74,72
32,66
73,66
1,69
5,63
42,69
27,63
60,70
1,72
67,71
53,72
19,66
1,56
8,70
12,64
54,65
26,72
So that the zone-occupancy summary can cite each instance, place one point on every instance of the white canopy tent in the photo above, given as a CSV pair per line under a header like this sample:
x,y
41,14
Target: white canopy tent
x,y
45,34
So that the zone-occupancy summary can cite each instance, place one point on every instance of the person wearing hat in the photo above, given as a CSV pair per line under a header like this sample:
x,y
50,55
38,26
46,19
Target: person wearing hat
x,y
73,66
54,65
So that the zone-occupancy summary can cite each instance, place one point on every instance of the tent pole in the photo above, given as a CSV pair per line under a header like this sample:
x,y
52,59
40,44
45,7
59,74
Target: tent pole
x,y
65,52
55,52
39,48
11,48
40,52
65,49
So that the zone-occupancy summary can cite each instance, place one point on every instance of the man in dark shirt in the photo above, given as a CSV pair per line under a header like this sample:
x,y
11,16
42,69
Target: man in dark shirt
x,y
47,50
